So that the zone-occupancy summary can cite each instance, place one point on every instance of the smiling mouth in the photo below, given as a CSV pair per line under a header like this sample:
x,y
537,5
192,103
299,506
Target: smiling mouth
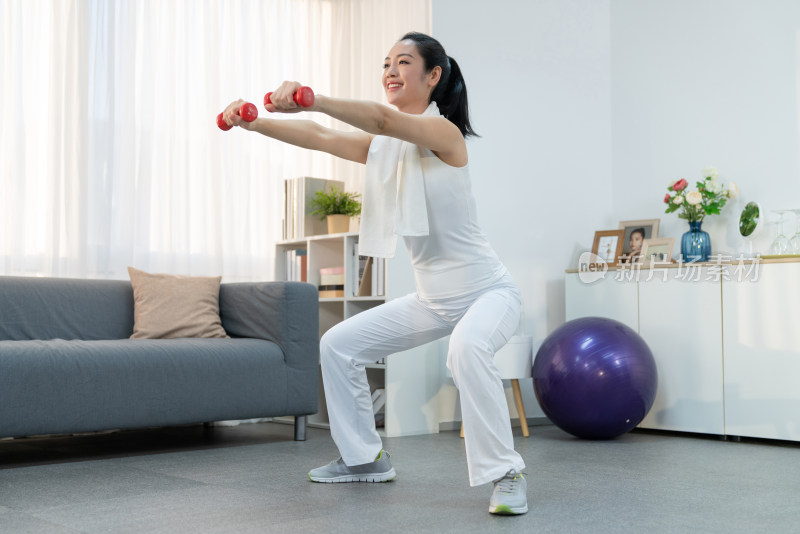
x,y
393,86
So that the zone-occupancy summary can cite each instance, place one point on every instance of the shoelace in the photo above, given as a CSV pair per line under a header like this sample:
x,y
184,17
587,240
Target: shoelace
x,y
341,461
509,483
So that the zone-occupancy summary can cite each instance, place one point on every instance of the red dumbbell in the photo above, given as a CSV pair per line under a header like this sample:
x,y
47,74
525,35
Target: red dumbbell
x,y
304,97
248,112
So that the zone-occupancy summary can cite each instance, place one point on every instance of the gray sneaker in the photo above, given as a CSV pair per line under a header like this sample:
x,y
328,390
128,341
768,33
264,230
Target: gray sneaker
x,y
380,470
509,496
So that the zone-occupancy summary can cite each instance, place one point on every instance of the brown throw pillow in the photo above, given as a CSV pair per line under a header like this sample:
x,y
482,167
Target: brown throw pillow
x,y
169,306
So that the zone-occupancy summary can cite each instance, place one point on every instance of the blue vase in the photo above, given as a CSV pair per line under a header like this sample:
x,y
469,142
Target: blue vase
x,y
696,244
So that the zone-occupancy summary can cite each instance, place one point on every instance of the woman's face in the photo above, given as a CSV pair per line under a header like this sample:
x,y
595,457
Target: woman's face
x,y
405,82
636,242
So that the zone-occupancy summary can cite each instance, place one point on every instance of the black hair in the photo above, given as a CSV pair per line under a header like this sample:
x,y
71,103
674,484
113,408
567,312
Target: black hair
x,y
639,231
450,94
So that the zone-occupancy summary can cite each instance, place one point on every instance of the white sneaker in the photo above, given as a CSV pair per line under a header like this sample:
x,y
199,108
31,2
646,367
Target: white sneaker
x,y
509,495
380,470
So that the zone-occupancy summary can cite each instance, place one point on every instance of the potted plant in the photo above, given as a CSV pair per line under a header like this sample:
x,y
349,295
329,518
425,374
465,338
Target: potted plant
x,y
337,207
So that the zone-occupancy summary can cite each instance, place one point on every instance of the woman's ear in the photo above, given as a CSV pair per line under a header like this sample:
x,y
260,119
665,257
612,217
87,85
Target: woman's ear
x,y
434,76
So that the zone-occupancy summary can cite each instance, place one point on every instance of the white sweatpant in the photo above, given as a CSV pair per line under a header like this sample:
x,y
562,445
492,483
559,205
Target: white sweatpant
x,y
479,324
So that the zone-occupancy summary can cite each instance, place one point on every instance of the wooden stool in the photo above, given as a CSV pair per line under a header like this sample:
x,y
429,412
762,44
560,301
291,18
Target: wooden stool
x,y
513,362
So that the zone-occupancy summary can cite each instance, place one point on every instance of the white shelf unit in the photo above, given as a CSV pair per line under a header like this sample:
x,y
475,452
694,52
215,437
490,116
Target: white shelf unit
x,y
727,349
411,378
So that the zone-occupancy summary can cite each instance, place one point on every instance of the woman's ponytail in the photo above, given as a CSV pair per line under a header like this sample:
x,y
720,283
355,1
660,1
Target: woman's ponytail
x,y
450,94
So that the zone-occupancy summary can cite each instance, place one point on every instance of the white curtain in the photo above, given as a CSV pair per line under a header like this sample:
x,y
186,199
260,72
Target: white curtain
x,y
43,145
110,155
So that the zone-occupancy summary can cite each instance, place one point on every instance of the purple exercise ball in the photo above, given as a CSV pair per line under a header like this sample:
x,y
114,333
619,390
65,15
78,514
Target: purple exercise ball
x,y
595,378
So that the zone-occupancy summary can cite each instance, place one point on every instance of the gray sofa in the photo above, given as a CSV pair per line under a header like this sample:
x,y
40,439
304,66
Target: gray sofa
x,y
67,365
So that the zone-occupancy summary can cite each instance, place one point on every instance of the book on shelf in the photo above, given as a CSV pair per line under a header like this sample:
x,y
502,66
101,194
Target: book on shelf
x,y
365,282
379,277
378,400
369,275
296,265
378,406
298,223
358,264
331,276
331,291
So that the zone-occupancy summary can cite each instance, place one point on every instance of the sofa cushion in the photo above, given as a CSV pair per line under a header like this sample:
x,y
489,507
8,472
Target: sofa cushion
x,y
170,306
65,308
73,386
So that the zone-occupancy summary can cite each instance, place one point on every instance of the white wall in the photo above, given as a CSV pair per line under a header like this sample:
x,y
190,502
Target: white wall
x,y
697,83
588,109
539,90
538,76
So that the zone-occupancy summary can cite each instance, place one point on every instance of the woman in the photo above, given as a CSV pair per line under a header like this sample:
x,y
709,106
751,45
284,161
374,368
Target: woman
x,y
635,241
463,290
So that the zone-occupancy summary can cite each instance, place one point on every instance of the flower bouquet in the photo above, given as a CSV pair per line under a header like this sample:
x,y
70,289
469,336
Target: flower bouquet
x,y
709,197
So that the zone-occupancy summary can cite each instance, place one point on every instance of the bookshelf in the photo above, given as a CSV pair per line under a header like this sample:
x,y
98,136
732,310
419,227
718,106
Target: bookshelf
x,y
410,379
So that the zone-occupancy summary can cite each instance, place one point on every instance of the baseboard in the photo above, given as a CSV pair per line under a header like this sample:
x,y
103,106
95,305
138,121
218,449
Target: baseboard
x,y
447,426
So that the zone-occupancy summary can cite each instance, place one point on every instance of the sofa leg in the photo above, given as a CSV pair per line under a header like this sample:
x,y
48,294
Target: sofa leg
x,y
300,427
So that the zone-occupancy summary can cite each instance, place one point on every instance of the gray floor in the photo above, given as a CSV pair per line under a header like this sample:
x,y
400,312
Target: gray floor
x,y
251,478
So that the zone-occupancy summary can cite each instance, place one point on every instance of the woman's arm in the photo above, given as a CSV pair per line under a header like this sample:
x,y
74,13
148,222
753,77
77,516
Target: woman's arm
x,y
352,146
438,134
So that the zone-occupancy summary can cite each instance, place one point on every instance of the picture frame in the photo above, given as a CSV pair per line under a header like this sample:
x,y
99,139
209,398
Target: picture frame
x,y
636,231
608,245
658,251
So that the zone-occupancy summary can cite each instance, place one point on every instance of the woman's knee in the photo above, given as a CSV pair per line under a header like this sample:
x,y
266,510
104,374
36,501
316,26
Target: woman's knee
x,y
344,341
465,348
332,344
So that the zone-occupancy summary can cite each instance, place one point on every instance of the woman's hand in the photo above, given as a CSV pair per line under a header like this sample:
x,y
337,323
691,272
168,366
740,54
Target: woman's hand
x,y
282,99
232,118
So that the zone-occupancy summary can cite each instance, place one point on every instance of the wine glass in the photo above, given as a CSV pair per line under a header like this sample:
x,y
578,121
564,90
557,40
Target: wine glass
x,y
794,242
781,244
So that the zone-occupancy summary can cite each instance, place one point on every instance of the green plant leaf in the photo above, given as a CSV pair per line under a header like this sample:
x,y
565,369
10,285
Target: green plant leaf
x,y
335,202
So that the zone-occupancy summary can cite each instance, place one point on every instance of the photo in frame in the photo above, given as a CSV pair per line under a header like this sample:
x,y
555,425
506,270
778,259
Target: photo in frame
x,y
608,245
655,251
635,234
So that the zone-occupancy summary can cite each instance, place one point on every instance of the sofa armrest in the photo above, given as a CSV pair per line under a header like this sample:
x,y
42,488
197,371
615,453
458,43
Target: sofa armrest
x,y
286,313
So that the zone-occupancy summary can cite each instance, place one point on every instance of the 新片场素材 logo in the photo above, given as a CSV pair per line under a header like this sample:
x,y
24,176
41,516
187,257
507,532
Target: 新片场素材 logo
x,y
591,267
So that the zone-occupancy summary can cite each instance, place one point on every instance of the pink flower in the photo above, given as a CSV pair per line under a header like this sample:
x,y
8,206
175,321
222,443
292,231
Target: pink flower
x,y
680,185
666,198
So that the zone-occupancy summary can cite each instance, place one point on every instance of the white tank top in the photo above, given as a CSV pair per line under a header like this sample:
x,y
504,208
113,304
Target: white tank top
x,y
455,259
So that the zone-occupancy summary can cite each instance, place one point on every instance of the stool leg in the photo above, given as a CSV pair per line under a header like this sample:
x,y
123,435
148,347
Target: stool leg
x,y
462,429
523,420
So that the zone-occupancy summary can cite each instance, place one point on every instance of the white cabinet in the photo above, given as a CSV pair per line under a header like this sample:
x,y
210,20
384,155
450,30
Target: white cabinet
x,y
411,379
680,321
726,342
761,336
612,297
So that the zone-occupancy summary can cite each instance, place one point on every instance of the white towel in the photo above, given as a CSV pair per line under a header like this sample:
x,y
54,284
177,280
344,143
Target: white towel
x,y
394,195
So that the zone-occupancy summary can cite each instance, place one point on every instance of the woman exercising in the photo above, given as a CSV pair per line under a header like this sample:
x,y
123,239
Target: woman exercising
x,y
418,187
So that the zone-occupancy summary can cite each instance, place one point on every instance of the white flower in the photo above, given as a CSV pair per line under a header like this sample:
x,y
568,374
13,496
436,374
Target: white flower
x,y
714,185
694,198
710,172
733,190
677,200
